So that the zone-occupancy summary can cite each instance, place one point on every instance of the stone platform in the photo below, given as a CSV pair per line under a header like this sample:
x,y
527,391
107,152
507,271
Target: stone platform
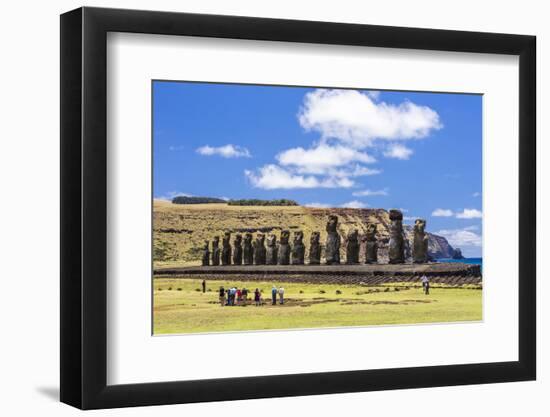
x,y
447,273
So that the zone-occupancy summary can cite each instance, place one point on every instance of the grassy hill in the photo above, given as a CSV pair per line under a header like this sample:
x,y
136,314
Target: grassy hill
x,y
179,230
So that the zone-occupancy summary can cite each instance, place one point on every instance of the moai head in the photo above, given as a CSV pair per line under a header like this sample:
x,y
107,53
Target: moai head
x,y
298,237
314,238
215,242
353,235
285,235
271,240
260,239
396,215
419,225
332,223
238,239
371,231
226,238
248,238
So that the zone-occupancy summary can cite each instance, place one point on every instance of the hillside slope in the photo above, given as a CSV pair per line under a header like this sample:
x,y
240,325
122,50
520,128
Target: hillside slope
x,y
179,230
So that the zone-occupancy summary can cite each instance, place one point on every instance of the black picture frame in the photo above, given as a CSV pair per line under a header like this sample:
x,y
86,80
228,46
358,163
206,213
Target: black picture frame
x,y
84,207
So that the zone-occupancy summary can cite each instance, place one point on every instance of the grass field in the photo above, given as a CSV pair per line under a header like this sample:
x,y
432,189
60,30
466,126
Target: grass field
x,y
181,307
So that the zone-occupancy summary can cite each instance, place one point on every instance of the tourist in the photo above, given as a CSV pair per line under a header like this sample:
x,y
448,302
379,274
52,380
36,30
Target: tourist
x,y
229,295
281,295
239,296
425,284
257,297
245,295
233,295
274,295
222,296
203,286
228,299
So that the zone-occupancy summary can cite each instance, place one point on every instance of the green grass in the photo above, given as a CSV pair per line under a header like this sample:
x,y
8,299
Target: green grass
x,y
183,309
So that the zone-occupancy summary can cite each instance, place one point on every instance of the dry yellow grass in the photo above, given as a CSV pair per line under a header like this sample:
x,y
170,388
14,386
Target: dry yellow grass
x,y
181,307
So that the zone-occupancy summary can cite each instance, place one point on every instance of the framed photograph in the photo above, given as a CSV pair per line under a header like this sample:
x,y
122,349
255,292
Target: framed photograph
x,y
260,208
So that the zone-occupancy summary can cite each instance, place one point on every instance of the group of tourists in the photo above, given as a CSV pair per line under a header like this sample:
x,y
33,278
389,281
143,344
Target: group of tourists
x,y
239,296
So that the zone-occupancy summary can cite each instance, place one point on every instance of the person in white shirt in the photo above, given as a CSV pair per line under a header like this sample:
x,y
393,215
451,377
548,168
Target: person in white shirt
x,y
425,284
281,295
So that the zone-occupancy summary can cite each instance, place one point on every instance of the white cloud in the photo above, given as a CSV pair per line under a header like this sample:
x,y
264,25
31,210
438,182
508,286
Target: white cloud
x,y
318,205
354,204
354,118
226,151
461,237
176,148
476,194
322,166
355,171
469,214
349,121
322,158
442,213
368,193
398,151
375,95
271,177
171,194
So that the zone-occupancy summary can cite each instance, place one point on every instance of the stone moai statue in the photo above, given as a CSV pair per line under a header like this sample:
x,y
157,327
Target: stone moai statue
x,y
298,251
226,248
314,249
216,251
352,247
259,249
284,248
206,254
332,249
420,242
396,246
248,254
237,250
271,251
371,246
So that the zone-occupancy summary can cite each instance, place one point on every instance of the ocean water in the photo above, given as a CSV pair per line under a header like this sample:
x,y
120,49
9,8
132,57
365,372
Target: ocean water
x,y
473,261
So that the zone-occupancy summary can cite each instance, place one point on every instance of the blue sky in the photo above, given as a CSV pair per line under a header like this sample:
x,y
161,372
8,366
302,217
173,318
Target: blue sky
x,y
420,152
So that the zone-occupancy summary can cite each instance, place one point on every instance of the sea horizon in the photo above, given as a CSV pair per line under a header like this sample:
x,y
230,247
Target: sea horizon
x,y
472,261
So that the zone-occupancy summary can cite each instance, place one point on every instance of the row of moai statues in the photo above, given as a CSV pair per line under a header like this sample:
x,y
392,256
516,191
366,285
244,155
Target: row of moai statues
x,y
249,252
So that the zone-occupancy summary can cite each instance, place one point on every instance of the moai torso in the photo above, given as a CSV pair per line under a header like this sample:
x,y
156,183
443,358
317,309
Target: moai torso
x,y
226,249
248,255
396,245
314,249
420,242
259,249
352,247
237,250
371,246
284,248
332,248
216,251
298,249
205,254
271,250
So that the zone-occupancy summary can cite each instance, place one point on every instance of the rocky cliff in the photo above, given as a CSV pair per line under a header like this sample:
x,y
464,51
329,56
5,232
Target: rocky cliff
x,y
179,230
